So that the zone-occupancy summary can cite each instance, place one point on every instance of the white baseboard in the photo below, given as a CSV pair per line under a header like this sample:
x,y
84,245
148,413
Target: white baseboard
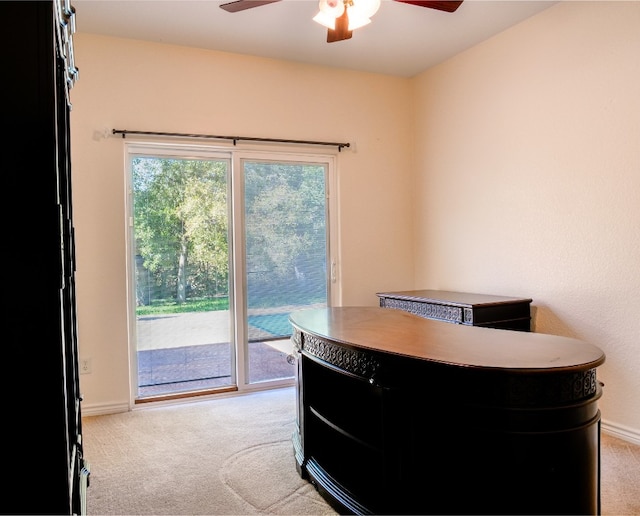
x,y
621,432
103,409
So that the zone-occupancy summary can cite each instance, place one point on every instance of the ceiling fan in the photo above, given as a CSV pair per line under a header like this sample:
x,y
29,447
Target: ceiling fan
x,y
339,27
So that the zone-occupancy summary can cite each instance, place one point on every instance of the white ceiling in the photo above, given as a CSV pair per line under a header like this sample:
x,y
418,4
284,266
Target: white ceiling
x,y
402,39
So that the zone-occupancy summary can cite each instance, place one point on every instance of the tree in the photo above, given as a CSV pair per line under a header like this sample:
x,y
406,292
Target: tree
x,y
285,231
181,225
181,230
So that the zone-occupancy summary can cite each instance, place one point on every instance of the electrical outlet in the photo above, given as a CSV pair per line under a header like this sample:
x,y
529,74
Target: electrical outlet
x,y
85,366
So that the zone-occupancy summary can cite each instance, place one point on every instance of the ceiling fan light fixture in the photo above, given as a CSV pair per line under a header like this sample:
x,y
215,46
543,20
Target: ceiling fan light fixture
x,y
341,32
329,11
325,20
356,22
362,9
359,12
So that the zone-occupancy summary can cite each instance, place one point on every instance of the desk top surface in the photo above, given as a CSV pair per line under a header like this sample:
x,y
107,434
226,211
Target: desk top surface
x,y
401,333
453,298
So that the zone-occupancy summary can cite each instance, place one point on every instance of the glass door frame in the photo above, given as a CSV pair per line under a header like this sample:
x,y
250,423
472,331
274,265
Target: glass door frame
x,y
237,274
239,245
134,148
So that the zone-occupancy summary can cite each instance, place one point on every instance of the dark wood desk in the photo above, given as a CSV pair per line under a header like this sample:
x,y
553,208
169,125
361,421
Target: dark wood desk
x,y
509,313
399,414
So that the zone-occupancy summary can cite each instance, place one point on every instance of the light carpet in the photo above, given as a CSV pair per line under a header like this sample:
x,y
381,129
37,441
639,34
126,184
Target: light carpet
x,y
231,456
234,456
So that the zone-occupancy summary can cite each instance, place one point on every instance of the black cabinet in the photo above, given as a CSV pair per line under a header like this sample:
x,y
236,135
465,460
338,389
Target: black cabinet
x,y
501,312
45,470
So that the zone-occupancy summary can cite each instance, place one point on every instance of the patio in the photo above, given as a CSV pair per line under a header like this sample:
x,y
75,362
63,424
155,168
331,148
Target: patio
x,y
191,351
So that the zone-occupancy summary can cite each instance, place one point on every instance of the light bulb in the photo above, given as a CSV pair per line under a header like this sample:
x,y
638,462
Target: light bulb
x,y
360,12
324,19
329,11
364,8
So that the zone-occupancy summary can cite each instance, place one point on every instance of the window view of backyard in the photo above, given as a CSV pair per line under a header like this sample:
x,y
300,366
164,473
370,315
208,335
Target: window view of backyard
x,y
182,227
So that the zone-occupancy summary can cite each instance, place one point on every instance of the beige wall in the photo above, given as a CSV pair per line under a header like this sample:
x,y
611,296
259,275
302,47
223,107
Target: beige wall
x,y
528,180
126,84
513,169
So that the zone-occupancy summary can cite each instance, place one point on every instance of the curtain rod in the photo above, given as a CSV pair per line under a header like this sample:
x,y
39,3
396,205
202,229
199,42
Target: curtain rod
x,y
235,139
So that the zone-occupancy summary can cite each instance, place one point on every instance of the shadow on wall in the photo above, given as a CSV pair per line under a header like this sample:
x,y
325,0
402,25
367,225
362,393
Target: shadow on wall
x,y
544,320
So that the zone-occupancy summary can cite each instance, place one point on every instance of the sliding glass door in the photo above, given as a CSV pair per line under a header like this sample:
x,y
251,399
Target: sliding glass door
x,y
181,271
223,247
285,235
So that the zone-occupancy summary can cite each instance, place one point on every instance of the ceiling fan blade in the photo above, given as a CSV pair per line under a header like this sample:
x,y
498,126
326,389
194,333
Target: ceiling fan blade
x,y
241,5
441,5
341,32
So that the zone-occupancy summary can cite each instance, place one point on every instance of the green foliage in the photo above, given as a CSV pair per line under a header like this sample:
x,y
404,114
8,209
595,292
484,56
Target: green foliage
x,y
181,227
164,306
181,232
285,232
